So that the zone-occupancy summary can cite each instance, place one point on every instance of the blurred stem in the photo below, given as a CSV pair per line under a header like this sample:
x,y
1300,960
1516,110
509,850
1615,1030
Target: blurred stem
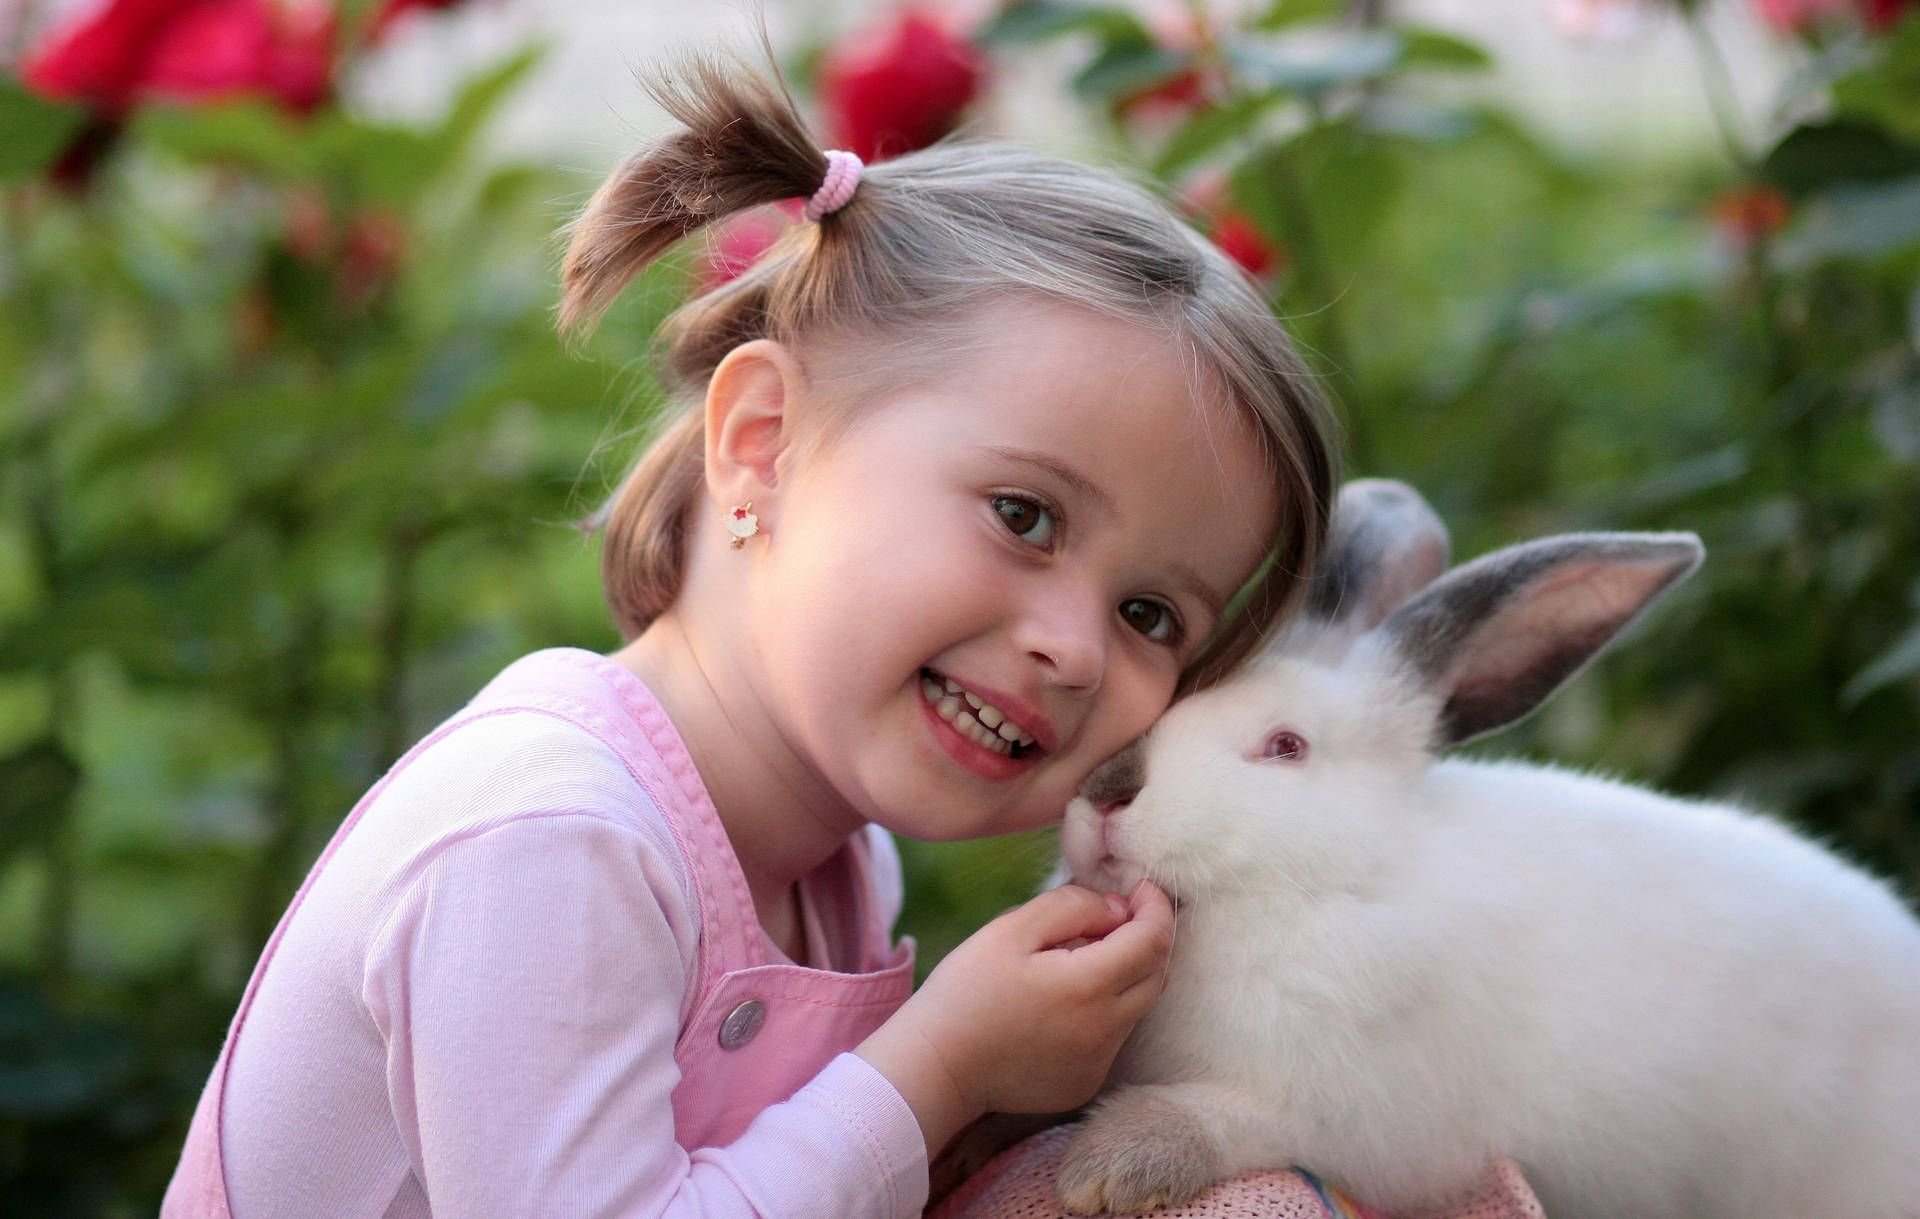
x,y
1721,98
292,712
404,542
1317,280
61,899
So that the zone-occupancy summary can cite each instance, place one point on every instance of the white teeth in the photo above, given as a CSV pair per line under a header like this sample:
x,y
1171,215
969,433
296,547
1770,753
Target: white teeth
x,y
985,723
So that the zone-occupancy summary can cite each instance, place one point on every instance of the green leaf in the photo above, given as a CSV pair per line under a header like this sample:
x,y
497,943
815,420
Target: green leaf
x,y
1282,13
1897,662
480,97
1314,63
1412,119
1815,156
1026,21
1855,221
252,134
1209,128
1887,89
1896,421
1334,181
1122,69
33,131
1435,49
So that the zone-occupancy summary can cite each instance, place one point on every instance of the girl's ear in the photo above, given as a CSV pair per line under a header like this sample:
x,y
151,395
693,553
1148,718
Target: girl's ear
x,y
750,398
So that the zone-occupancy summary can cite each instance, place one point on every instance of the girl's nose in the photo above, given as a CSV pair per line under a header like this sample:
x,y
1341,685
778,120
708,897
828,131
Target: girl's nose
x,y
1068,638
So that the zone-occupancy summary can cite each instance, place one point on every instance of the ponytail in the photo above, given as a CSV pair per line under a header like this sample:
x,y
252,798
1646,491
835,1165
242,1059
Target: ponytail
x,y
742,144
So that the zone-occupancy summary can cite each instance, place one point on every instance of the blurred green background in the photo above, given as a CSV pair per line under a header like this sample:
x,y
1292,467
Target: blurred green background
x,y
289,453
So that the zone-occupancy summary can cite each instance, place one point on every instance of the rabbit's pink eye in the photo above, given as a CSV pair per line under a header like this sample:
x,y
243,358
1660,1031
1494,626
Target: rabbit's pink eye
x,y
1285,747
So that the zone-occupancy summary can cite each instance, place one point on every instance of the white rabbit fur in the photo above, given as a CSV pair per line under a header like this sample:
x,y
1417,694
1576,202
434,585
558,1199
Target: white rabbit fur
x,y
1389,967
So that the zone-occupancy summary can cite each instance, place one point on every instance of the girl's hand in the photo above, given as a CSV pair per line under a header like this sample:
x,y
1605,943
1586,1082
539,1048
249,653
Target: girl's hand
x,y
1027,1015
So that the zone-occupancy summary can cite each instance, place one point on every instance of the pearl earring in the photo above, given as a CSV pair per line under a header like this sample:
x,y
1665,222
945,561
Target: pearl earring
x,y
742,524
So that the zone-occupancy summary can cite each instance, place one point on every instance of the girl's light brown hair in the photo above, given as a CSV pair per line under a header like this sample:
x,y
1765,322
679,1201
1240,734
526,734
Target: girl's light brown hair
x,y
926,241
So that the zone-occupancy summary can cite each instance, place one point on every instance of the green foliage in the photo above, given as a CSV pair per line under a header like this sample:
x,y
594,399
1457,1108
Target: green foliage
x,y
37,131
288,451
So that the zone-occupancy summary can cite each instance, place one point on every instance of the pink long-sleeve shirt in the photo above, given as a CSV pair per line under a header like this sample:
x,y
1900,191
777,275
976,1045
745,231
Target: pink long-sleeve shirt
x,y
526,978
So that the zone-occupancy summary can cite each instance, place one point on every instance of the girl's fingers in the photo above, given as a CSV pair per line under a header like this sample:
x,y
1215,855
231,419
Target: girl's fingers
x,y
1070,912
1148,897
1136,951
1129,956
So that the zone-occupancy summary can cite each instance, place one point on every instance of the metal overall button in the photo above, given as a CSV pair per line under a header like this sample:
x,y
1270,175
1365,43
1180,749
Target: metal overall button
x,y
742,1023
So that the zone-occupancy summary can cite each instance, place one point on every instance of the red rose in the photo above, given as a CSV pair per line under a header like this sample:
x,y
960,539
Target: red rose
x,y
1239,240
1177,96
1750,213
130,51
1232,230
394,10
1793,16
1882,14
899,87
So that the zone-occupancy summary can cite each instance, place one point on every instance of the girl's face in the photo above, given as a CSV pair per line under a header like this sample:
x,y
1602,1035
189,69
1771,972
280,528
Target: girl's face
x,y
1053,527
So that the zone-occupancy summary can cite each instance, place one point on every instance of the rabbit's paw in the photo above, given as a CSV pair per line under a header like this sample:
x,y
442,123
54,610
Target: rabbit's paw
x,y
1136,1152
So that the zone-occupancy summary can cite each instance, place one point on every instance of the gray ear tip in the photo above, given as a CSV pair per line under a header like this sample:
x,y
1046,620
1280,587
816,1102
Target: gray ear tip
x,y
1380,493
1684,550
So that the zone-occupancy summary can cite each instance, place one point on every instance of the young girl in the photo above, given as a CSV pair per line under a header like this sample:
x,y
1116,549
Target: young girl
x,y
981,464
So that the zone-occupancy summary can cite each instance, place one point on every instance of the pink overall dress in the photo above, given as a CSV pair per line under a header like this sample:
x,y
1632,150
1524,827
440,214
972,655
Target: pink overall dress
x,y
754,1027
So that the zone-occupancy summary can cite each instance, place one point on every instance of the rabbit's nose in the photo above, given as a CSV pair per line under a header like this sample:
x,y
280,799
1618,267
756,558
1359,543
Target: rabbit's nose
x,y
1115,782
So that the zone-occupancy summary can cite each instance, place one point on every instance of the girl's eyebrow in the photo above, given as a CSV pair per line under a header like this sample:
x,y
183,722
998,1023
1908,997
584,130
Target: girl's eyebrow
x,y
1049,464
1059,469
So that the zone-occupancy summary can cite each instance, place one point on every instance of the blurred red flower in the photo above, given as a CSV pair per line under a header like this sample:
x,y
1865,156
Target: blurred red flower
x,y
1750,213
1232,230
1237,237
129,51
1177,96
1881,14
898,87
394,10
1793,16
1175,28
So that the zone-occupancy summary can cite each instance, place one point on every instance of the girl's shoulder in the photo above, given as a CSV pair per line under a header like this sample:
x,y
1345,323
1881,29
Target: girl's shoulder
x,y
562,733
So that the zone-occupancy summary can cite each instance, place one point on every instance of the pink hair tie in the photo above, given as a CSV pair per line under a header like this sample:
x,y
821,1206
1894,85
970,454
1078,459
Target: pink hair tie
x,y
843,175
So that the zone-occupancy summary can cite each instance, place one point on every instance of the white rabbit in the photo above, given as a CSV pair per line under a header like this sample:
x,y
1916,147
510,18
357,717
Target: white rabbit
x,y
1389,967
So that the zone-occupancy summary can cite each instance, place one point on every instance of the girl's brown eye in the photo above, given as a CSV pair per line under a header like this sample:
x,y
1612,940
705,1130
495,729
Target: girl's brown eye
x,y
1025,519
1285,747
1150,618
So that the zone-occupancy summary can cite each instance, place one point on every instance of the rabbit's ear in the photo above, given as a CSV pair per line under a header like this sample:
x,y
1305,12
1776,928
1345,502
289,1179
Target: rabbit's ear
x,y
1385,545
1498,635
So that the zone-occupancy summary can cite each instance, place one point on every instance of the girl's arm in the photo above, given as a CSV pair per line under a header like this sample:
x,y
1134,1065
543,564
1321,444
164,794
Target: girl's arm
x,y
528,987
